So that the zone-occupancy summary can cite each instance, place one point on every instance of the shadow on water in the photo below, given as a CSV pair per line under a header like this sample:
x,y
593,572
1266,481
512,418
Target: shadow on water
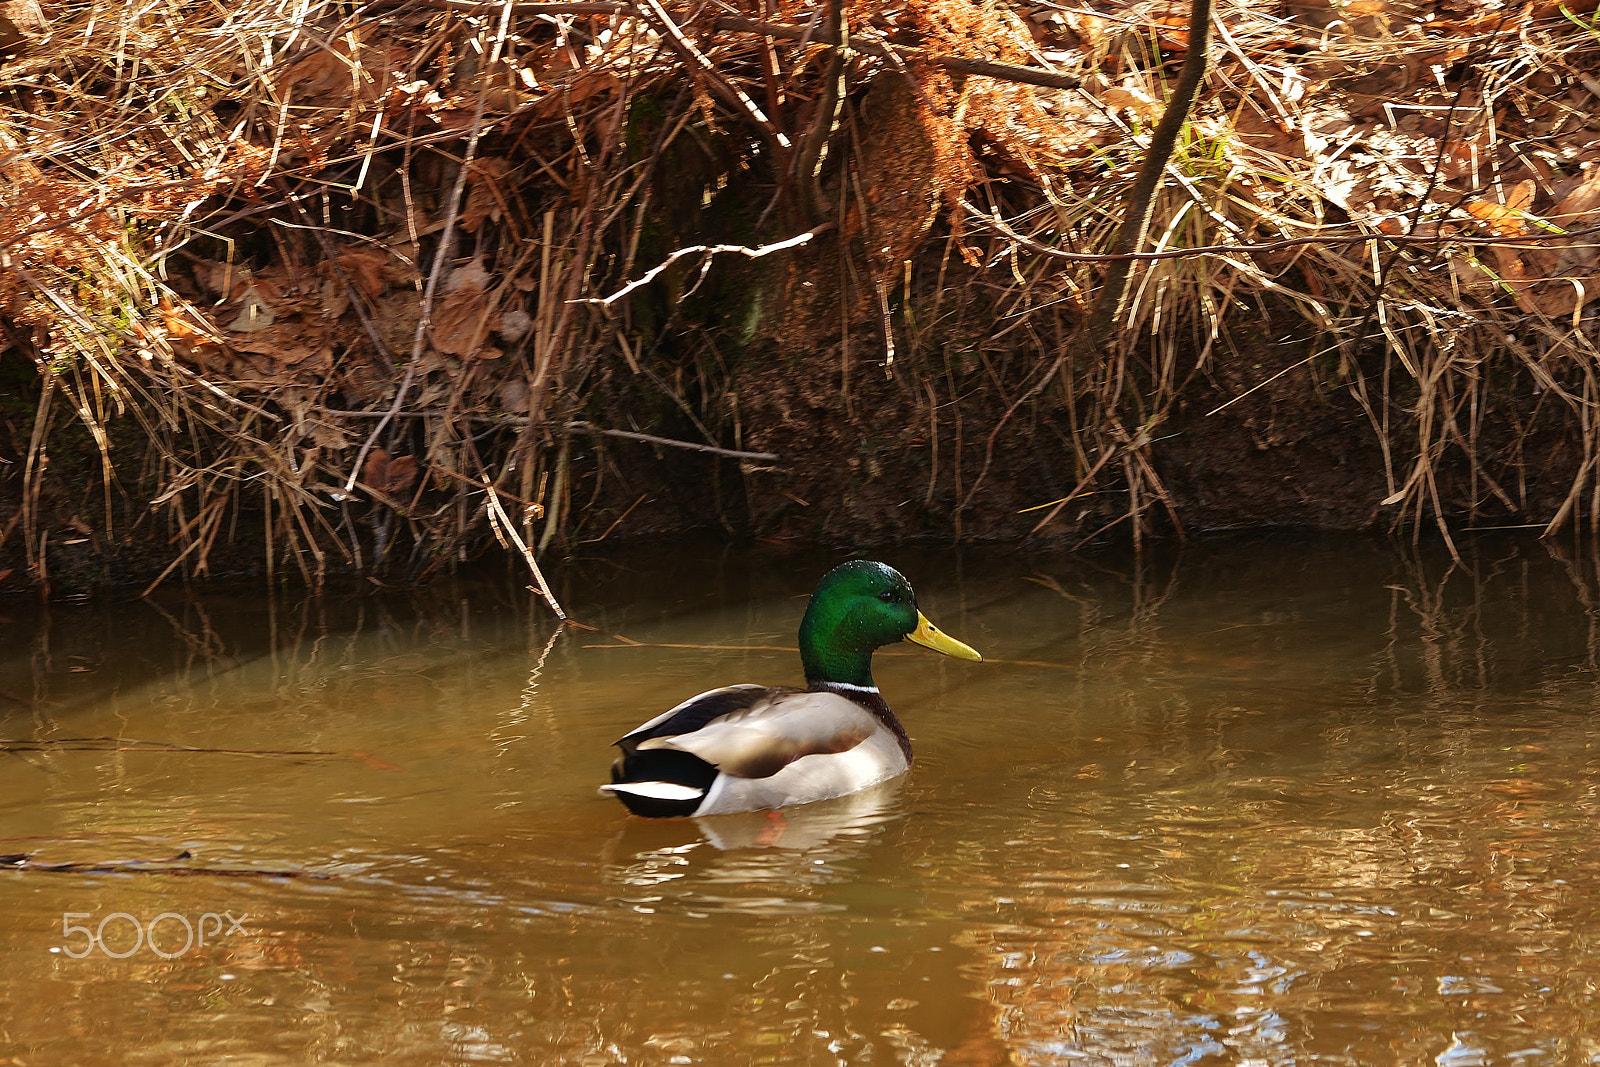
x,y
1287,801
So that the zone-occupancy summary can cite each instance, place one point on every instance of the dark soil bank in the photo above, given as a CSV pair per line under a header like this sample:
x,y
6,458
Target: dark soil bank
x,y
863,460
1288,451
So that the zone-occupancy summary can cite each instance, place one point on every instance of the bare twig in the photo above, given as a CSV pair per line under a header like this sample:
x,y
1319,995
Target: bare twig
x,y
576,427
1103,322
723,86
708,251
583,427
825,117
1320,240
23,861
440,257
506,528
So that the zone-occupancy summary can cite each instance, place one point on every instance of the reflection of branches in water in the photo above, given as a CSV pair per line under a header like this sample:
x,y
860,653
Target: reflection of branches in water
x,y
1220,922
206,646
1149,585
507,732
1584,574
1121,632
121,746
87,655
1441,628
1495,616
780,874
622,642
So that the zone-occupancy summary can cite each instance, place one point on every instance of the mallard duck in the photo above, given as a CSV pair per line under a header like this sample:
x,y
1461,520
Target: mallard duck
x,y
756,747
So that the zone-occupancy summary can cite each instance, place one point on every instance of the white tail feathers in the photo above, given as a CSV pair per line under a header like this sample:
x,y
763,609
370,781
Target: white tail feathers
x,y
655,790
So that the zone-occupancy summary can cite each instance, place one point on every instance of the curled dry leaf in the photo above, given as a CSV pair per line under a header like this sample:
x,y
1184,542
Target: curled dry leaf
x,y
470,275
1135,100
335,298
321,74
389,476
345,70
1557,278
463,321
583,86
400,259
1172,32
361,268
1507,220
13,41
1566,268
485,200
1580,210
255,308
1503,220
187,330
364,268
327,435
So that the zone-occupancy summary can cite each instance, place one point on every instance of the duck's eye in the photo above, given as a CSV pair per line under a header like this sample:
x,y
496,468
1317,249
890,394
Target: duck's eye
x,y
887,596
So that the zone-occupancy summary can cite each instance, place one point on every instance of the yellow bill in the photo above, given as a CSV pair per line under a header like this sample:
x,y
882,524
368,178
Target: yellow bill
x,y
930,636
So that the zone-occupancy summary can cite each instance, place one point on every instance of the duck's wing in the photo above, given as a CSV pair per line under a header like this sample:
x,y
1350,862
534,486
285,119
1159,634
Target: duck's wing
x,y
695,713
755,732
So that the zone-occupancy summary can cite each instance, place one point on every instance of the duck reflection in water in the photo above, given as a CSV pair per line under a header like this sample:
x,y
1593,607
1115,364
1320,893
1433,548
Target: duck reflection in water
x,y
775,855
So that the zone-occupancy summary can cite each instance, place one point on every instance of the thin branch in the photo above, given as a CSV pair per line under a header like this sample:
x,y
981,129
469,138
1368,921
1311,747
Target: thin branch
x,y
1326,240
885,50
736,96
709,250
23,861
1131,235
583,427
134,744
825,118
504,527
570,427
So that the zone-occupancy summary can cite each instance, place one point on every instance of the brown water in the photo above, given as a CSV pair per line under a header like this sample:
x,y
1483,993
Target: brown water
x,y
1263,802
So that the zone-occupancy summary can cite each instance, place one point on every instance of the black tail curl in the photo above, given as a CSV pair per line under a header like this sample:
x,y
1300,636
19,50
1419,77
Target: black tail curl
x,y
662,765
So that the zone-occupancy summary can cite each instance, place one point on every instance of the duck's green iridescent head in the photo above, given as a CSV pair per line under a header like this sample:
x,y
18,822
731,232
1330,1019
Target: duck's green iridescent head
x,y
858,607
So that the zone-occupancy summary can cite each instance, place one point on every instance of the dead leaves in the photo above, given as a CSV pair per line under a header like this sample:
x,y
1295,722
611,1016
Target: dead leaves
x,y
362,268
462,324
1131,97
388,476
275,331
344,71
189,335
465,317
256,330
486,196
255,307
1553,276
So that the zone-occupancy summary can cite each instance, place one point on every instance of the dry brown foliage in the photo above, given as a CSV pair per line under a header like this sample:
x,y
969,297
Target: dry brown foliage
x,y
361,273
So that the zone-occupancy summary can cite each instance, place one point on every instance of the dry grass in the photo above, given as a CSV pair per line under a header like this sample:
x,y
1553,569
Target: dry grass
x,y
363,276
